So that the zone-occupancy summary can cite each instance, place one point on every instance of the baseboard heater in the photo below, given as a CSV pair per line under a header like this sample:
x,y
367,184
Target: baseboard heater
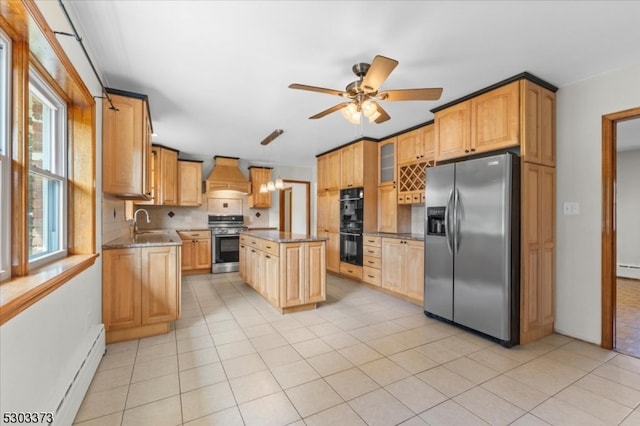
x,y
628,271
72,398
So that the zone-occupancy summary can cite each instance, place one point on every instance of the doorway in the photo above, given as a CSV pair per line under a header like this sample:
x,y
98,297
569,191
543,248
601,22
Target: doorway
x,y
609,247
294,207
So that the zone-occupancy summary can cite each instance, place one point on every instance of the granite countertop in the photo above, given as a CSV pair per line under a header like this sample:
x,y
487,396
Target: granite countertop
x,y
146,238
404,236
282,237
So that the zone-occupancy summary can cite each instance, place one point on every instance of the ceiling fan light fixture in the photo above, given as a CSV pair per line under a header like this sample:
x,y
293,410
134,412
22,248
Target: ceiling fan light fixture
x,y
279,183
351,113
369,108
263,188
271,186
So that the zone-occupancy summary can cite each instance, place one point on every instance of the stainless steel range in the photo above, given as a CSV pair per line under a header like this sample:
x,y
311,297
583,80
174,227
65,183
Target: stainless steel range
x,y
225,242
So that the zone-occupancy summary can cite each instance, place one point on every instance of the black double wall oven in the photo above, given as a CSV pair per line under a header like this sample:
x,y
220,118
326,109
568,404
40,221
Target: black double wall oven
x,y
351,225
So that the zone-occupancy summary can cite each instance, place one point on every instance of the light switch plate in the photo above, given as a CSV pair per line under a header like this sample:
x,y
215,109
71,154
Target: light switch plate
x,y
570,208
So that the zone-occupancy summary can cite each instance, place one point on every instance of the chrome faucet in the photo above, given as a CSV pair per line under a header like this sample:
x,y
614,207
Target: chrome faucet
x,y
135,221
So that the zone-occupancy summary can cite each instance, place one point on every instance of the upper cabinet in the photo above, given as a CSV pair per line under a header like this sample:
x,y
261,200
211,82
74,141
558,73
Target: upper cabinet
x,y
126,143
387,161
538,121
354,157
520,113
259,176
163,177
329,171
189,183
416,145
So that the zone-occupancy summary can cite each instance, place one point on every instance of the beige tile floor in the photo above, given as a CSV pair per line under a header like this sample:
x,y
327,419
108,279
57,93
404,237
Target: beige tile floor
x,y
361,358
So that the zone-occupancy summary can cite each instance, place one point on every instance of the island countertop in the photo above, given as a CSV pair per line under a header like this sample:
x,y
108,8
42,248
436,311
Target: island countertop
x,y
282,237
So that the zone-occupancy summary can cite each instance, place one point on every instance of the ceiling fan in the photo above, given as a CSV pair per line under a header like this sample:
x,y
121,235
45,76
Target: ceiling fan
x,y
363,93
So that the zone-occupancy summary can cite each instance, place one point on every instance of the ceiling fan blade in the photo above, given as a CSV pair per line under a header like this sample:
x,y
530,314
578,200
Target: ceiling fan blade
x,y
316,89
383,115
378,72
329,111
432,94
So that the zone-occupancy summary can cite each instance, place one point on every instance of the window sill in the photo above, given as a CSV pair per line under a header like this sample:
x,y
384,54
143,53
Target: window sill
x,y
19,293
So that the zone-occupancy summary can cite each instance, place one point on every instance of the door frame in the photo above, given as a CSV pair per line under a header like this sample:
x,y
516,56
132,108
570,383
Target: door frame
x,y
608,245
308,206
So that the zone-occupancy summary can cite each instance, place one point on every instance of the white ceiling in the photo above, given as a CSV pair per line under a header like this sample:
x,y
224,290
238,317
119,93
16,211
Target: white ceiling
x,y
216,72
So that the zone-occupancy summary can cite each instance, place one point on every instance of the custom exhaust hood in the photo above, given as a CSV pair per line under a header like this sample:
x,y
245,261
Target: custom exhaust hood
x,y
226,175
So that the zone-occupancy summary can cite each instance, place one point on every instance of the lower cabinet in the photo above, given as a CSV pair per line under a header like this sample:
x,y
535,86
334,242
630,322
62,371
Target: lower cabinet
x,y
332,249
403,267
196,252
140,291
291,276
372,260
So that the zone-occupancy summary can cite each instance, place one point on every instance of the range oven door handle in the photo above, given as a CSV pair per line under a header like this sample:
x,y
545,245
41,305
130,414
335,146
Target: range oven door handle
x,y
350,233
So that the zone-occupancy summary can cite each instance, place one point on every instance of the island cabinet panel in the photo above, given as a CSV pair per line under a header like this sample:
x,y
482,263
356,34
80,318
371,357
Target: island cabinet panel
x,y
315,264
291,275
292,289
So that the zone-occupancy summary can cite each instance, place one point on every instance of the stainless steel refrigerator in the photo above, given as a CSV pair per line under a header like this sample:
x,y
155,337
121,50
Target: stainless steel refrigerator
x,y
472,245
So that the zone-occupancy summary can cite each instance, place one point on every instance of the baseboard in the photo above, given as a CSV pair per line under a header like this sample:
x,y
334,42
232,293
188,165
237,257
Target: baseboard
x,y
628,271
72,399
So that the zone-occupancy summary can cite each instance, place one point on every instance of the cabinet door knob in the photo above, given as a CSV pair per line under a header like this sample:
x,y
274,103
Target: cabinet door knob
x,y
473,150
466,150
370,276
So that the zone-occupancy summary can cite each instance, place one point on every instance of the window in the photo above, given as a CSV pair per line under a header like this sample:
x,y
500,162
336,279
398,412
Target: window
x,y
5,176
46,210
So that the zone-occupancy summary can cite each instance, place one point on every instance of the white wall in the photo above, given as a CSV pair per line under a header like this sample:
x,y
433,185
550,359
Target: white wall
x,y
628,211
580,107
293,173
42,347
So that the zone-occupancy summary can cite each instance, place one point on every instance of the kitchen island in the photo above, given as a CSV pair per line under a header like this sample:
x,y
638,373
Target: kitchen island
x,y
288,270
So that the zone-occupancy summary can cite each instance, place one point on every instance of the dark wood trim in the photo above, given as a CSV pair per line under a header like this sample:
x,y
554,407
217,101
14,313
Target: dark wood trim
x,y
188,160
521,76
157,145
608,242
260,167
281,201
224,156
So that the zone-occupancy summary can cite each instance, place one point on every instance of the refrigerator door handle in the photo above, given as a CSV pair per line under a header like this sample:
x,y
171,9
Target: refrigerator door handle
x,y
456,221
447,232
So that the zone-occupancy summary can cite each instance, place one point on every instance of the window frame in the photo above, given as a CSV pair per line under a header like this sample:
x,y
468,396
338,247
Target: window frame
x,y
59,163
5,155
34,44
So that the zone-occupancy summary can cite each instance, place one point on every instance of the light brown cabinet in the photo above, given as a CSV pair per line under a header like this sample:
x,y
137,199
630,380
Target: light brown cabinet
x,y
352,166
538,121
328,226
291,276
403,267
417,145
189,183
163,177
387,161
126,143
196,251
328,169
537,276
259,176
487,122
372,260
392,217
140,291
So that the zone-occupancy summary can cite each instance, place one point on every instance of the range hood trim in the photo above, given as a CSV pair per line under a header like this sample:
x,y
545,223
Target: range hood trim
x,y
226,176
